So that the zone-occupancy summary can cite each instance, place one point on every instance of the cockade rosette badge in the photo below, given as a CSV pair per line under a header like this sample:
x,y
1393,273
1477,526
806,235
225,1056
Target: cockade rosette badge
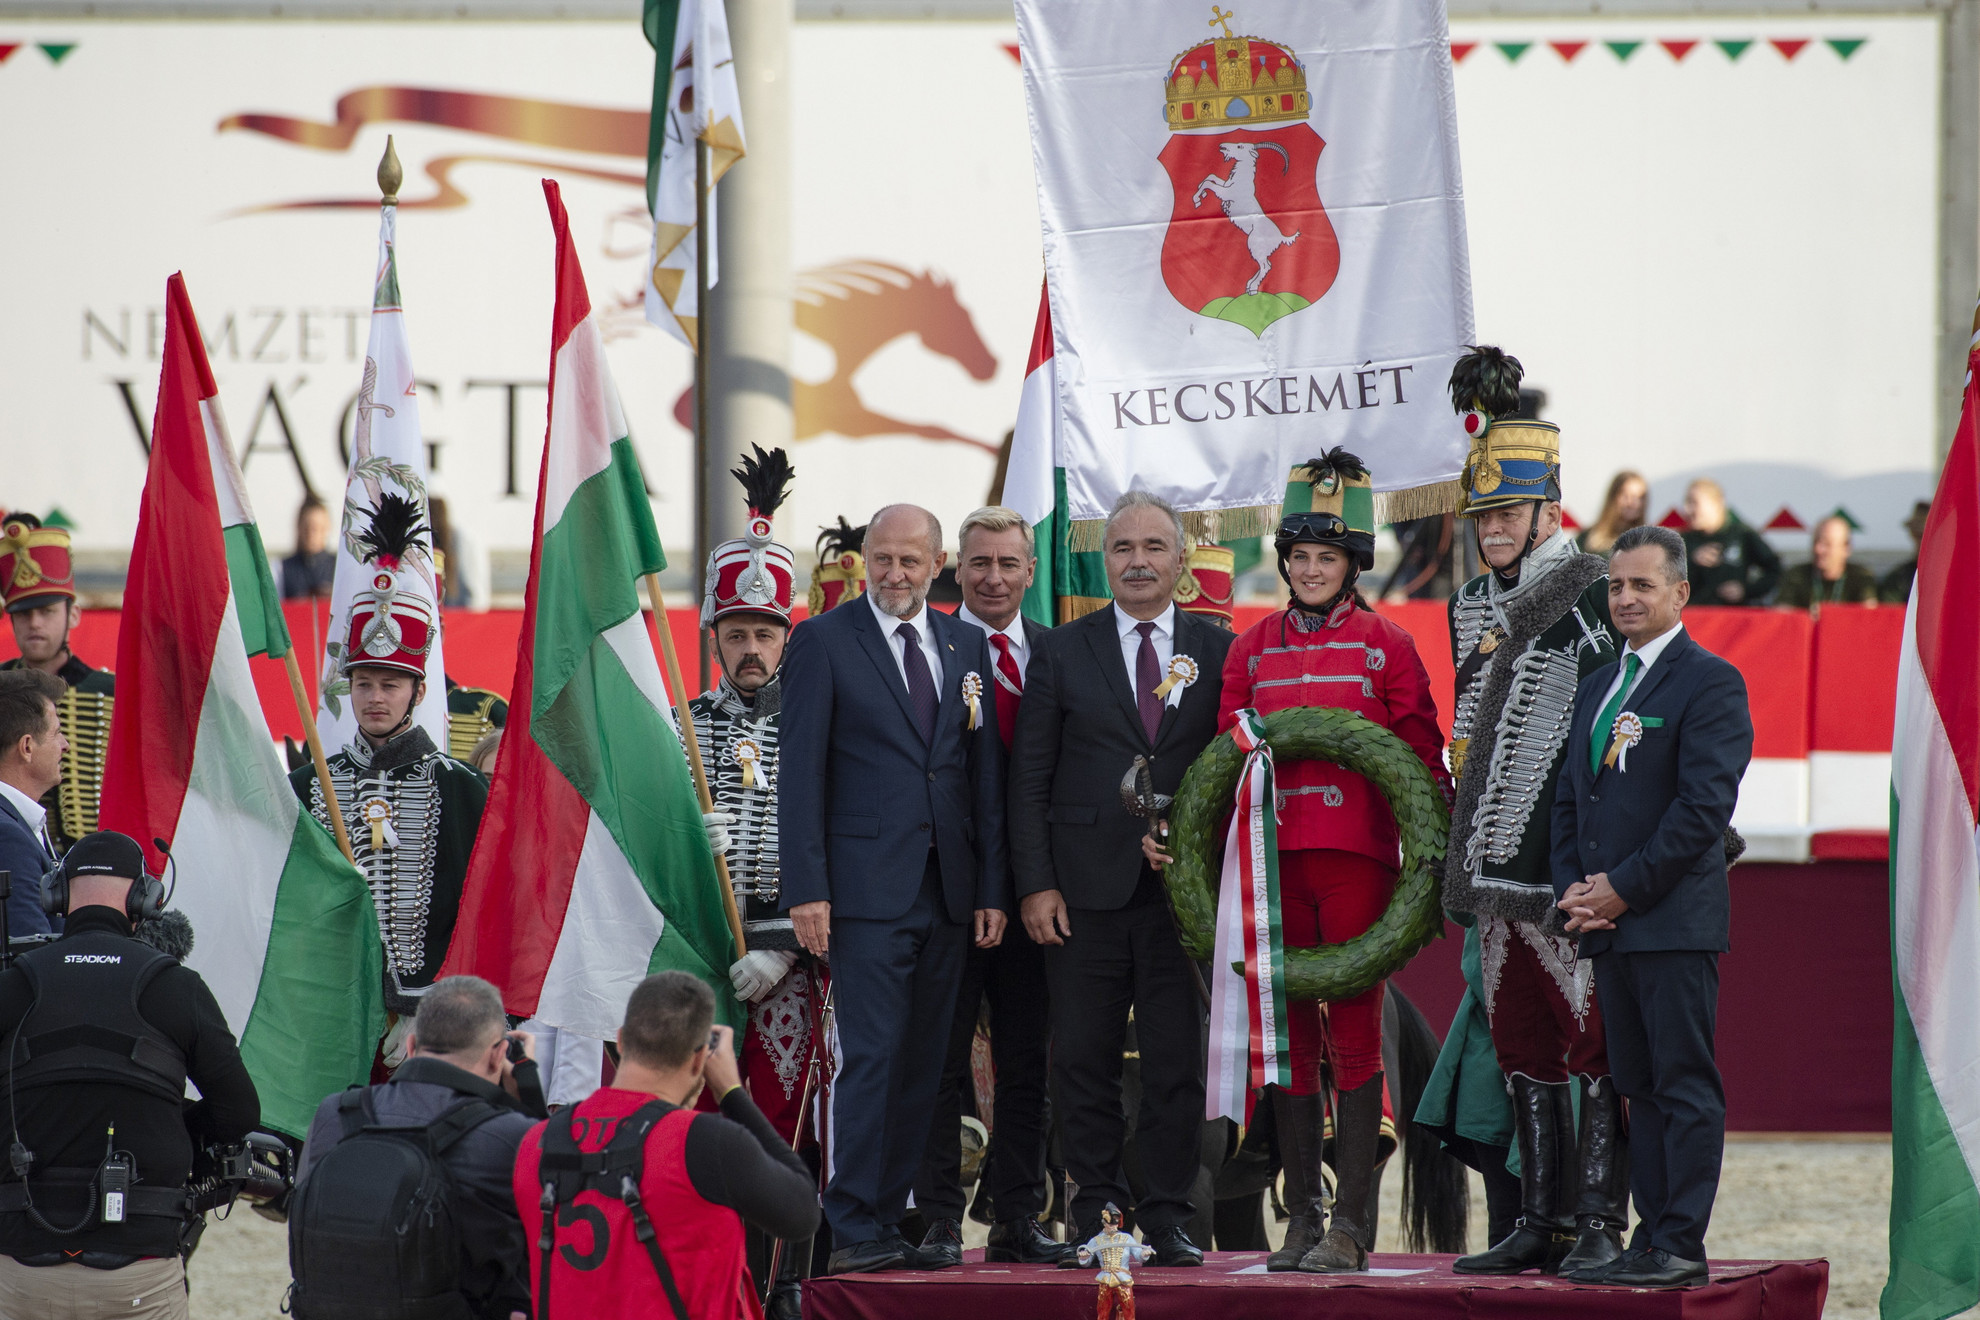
x,y
1248,239
972,690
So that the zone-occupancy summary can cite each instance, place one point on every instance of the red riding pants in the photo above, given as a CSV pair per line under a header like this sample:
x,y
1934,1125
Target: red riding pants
x,y
1329,896
1536,1030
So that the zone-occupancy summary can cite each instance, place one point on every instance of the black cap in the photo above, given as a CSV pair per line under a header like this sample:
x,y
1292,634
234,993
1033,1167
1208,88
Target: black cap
x,y
105,853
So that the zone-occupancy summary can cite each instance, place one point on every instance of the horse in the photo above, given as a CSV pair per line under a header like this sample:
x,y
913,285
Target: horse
x,y
1238,195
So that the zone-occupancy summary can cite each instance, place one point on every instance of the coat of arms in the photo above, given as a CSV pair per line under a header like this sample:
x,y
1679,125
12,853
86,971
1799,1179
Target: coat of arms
x,y
1248,239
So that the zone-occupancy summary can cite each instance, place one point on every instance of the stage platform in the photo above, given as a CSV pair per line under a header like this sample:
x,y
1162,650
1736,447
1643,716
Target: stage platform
x,y
1233,1285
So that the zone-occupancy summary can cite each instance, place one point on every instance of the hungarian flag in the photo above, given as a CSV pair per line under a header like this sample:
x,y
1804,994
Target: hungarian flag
x,y
1935,904
592,868
694,99
285,932
1068,583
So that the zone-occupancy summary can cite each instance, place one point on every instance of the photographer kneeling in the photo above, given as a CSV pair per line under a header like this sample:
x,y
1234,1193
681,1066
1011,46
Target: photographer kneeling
x,y
101,1033
434,1148
636,1202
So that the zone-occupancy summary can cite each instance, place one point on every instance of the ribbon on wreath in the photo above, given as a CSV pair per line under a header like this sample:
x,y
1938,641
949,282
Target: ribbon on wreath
x,y
1248,1046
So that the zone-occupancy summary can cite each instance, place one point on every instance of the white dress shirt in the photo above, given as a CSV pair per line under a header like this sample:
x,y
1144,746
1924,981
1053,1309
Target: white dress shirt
x,y
890,628
1020,653
1647,653
1164,638
31,811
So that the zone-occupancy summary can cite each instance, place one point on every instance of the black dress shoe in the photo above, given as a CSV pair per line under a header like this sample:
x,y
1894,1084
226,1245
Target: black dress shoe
x,y
865,1257
1655,1268
1074,1240
1023,1242
941,1247
1173,1247
786,1301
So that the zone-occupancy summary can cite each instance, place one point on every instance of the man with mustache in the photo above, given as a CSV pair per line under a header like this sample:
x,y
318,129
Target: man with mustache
x,y
1523,635
748,611
892,822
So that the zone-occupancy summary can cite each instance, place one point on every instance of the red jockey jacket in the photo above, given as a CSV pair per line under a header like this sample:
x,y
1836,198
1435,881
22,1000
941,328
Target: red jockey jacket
x,y
1354,659
600,1267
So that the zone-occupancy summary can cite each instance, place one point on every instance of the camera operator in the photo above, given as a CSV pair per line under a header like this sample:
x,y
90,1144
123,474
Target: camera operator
x,y
461,1053
101,1033
659,1231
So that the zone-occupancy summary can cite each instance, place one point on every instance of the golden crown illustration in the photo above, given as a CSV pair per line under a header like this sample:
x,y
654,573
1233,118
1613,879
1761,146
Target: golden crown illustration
x,y
1235,82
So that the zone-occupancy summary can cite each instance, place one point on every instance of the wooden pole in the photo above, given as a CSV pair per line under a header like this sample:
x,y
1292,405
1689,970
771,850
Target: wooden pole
x,y
688,736
315,740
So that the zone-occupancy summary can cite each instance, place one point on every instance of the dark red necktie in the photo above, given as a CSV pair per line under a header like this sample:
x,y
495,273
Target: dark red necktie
x,y
1010,688
1148,677
920,682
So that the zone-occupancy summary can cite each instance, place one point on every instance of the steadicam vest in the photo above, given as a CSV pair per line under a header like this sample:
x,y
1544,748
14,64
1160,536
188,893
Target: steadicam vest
x,y
85,1026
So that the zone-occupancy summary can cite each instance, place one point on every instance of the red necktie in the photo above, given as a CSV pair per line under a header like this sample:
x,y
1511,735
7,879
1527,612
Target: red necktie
x,y
1010,688
1148,677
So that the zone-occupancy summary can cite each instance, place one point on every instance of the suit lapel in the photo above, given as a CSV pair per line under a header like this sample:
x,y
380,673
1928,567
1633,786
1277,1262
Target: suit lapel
x,y
1104,636
878,649
954,661
1673,653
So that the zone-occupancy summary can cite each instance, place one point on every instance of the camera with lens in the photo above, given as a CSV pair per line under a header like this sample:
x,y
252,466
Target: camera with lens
x,y
260,1170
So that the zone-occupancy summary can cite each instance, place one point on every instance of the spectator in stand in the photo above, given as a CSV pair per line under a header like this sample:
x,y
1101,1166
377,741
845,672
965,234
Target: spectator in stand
x,y
1895,589
1626,505
1731,564
1830,578
307,574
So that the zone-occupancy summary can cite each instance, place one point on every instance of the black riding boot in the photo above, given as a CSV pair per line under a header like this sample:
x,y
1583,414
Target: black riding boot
x,y
1543,1120
1357,1133
786,1300
1602,1193
1299,1121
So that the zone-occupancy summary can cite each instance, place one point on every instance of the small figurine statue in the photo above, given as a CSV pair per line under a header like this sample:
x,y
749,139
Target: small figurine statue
x,y
1117,1254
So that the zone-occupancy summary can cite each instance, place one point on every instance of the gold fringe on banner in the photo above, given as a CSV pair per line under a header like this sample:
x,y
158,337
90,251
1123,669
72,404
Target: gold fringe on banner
x,y
1394,506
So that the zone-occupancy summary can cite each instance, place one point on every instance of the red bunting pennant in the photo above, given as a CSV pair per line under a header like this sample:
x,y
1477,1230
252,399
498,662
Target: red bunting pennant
x,y
1673,520
1788,49
1678,49
1460,49
1567,50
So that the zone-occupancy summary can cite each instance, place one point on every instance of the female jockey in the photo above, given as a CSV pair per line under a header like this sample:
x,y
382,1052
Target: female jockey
x,y
1338,846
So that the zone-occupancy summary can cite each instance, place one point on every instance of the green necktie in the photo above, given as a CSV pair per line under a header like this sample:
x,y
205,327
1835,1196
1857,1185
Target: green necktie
x,y
1598,747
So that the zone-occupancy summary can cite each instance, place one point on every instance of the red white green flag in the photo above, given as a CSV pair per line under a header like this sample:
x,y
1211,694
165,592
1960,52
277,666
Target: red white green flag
x,y
592,868
1935,904
285,932
1248,1048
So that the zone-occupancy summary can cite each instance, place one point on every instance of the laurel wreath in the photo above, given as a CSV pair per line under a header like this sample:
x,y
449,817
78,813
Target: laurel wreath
x,y
1413,918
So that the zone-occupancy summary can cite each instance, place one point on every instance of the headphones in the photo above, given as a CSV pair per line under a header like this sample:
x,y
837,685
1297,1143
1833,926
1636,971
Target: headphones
x,y
145,901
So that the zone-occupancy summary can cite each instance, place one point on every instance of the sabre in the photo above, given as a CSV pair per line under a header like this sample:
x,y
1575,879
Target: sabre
x,y
1138,795
812,1068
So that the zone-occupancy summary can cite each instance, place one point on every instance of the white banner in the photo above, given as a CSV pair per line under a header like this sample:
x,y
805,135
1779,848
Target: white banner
x,y
1254,241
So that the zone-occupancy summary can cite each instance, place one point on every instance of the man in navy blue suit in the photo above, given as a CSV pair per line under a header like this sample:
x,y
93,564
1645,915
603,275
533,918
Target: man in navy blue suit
x,y
31,750
1659,743
891,821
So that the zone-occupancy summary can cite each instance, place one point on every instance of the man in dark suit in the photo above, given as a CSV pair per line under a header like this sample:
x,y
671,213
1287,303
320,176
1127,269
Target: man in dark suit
x,y
1087,894
995,565
1658,746
891,814
31,751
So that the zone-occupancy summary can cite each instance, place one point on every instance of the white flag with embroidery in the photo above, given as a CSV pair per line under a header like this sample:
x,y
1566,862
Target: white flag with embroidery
x,y
694,97
388,456
1255,243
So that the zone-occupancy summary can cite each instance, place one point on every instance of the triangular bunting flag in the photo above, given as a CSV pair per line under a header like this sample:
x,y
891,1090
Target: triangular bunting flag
x,y
56,54
1512,50
1622,50
1678,49
1840,512
5,51
1567,50
1569,523
1846,46
1460,49
1733,49
1673,520
1785,521
1788,49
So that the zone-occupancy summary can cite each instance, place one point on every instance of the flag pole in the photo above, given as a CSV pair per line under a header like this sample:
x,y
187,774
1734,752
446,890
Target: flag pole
x,y
702,446
685,718
315,740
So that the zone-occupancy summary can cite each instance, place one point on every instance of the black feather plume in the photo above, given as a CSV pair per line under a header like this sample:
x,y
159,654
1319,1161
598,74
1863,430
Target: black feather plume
x,y
1487,378
1336,462
394,531
845,539
766,479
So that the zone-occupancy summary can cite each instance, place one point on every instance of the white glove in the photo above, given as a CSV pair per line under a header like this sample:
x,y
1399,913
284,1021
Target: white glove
x,y
393,1047
757,972
717,824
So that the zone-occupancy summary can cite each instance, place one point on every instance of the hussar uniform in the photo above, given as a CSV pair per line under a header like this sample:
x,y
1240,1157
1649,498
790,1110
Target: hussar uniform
x,y
410,809
840,573
472,714
1522,640
35,569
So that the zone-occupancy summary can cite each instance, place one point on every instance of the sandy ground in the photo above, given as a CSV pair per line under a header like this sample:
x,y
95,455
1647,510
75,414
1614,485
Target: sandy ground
x,y
1777,1200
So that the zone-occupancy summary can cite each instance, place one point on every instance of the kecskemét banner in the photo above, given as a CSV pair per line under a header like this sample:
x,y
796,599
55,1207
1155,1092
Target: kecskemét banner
x,y
1254,247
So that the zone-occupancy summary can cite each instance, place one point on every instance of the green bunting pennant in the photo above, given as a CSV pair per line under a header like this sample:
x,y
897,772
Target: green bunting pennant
x,y
1733,49
1846,46
56,53
1512,50
1622,49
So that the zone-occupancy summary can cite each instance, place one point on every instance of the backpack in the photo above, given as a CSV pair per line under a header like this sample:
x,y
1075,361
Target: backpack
x,y
372,1234
564,1170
